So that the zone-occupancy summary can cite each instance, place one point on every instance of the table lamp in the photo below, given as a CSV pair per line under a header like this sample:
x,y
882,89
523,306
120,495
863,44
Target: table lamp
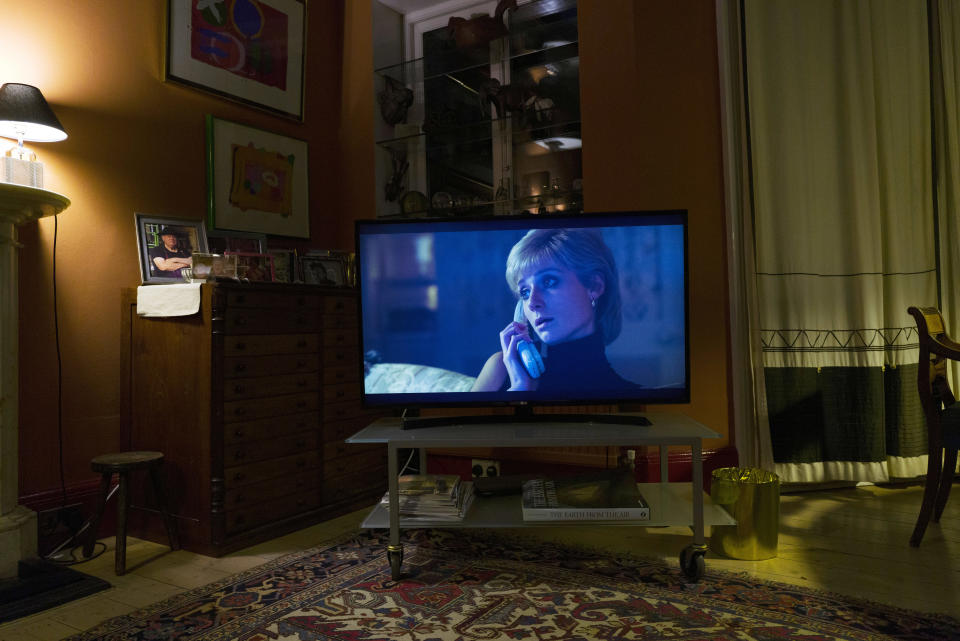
x,y
25,115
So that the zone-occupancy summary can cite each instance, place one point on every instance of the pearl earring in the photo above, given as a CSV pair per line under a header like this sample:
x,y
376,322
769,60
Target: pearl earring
x,y
593,303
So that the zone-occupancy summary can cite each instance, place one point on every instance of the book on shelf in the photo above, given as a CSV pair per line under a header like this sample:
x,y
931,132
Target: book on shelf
x,y
612,498
431,497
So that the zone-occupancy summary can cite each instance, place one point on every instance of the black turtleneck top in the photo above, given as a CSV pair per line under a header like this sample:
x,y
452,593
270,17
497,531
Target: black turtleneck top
x,y
579,365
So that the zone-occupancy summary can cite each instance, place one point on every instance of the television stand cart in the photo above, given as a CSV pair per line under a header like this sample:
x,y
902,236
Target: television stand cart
x,y
670,503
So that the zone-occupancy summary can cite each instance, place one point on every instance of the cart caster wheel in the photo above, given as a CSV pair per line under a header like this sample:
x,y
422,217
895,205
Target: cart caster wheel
x,y
691,562
395,556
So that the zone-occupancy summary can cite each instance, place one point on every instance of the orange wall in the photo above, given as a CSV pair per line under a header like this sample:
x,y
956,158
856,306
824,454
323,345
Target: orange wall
x,y
650,103
136,144
651,124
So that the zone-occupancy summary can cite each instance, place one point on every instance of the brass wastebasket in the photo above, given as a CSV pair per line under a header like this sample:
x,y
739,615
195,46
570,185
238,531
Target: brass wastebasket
x,y
752,497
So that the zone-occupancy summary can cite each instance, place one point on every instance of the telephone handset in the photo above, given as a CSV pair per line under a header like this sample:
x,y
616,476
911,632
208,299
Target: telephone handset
x,y
529,354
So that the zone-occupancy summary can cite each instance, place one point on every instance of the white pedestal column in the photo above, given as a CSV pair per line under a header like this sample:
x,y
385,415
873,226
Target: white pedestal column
x,y
18,524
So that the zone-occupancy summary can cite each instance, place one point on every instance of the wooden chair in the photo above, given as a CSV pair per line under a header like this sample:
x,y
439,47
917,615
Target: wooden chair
x,y
942,414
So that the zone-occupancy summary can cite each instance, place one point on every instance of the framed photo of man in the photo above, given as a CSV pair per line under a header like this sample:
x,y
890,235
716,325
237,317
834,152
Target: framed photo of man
x,y
166,246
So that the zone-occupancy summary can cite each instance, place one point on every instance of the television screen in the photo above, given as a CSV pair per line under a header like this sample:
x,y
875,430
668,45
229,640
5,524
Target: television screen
x,y
524,310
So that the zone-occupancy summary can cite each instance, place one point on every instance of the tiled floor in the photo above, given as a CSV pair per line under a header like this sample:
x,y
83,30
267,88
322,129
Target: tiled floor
x,y
852,541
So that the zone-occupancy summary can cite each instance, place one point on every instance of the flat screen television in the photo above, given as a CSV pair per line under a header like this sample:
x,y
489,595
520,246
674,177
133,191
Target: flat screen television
x,y
589,308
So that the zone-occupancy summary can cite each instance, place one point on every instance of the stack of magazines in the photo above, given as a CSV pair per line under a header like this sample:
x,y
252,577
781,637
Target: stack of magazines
x,y
432,497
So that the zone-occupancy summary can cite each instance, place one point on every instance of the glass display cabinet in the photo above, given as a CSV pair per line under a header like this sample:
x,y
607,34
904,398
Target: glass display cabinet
x,y
484,118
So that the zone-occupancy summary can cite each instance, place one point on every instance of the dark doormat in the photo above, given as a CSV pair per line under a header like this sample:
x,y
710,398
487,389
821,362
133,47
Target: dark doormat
x,y
40,585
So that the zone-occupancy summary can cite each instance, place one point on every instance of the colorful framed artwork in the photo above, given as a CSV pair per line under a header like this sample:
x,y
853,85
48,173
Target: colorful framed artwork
x,y
166,246
254,267
256,180
251,51
220,241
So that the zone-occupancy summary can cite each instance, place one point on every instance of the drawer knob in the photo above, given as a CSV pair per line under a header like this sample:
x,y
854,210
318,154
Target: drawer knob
x,y
241,298
301,364
338,306
302,383
301,301
239,476
240,411
239,454
301,403
301,502
241,321
301,344
301,463
339,375
240,347
239,367
239,498
240,519
238,433
301,425
238,388
300,444
340,393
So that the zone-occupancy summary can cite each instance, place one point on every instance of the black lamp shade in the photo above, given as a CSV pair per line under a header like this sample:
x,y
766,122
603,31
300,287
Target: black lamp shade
x,y
25,114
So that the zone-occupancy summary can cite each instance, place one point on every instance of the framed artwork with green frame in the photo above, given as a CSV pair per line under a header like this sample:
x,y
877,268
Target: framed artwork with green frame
x,y
257,181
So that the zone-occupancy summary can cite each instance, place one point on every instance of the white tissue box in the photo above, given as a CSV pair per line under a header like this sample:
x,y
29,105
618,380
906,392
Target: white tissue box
x,y
21,172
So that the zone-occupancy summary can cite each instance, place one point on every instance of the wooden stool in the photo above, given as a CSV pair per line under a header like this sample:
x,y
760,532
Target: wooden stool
x,y
122,463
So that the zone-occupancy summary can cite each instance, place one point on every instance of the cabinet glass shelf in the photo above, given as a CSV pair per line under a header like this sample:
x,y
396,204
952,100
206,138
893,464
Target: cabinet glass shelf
x,y
546,202
482,131
460,61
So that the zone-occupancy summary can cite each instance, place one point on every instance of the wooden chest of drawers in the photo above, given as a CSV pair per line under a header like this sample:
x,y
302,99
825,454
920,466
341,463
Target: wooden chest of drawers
x,y
250,400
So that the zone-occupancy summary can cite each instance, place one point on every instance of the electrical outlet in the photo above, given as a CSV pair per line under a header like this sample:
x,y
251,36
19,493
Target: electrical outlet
x,y
484,467
48,521
60,520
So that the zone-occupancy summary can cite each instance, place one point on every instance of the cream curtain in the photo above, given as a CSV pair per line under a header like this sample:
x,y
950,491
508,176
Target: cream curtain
x,y
838,97
751,427
946,91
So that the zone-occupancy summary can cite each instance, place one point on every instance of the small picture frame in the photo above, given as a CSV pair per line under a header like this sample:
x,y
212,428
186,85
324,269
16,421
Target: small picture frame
x,y
212,266
254,267
166,246
285,265
220,241
323,270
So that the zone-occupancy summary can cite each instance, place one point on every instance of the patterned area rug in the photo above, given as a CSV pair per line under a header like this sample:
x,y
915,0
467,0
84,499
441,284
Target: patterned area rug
x,y
461,584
